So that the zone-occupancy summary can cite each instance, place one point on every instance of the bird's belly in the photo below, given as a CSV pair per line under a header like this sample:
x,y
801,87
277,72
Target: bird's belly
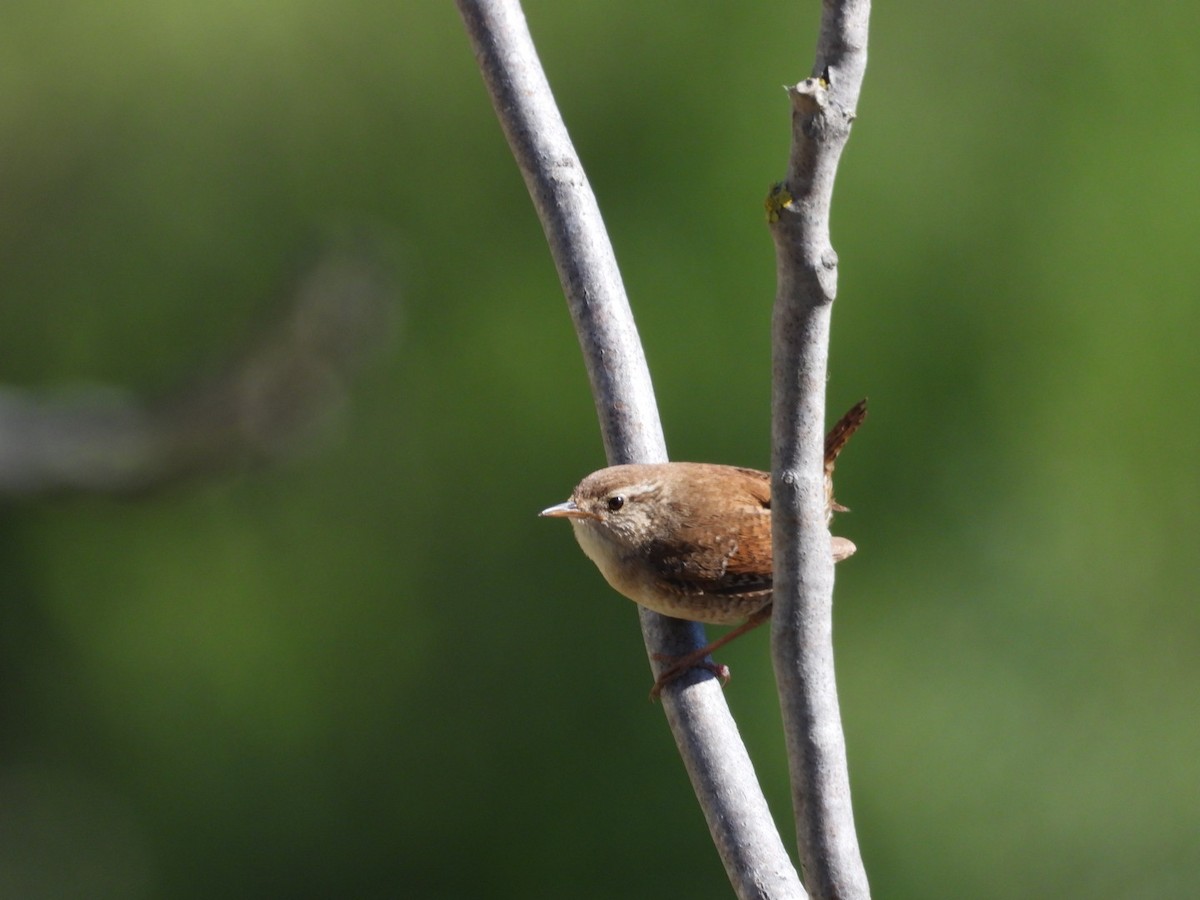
x,y
634,579
711,609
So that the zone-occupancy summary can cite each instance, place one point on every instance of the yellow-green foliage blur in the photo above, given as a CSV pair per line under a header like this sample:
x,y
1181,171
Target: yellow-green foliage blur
x,y
369,670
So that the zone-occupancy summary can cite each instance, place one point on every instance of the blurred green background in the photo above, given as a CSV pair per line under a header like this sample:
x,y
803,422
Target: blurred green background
x,y
371,671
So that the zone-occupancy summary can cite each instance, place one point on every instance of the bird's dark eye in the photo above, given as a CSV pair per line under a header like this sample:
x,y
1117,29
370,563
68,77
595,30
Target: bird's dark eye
x,y
615,502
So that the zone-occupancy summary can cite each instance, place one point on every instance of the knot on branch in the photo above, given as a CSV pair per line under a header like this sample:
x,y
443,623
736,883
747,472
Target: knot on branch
x,y
810,97
817,110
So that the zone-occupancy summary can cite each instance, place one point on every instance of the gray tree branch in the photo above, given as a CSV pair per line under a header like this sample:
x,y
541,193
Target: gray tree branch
x,y
716,760
823,108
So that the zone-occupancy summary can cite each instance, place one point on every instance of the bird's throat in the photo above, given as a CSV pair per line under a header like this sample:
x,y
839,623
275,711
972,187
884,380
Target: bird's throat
x,y
618,570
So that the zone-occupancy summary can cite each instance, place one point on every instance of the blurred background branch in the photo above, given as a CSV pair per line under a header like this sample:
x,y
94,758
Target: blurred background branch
x,y
263,404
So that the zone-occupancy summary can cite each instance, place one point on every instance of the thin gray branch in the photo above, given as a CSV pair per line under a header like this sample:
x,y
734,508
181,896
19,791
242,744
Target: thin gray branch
x,y
716,760
802,623
263,405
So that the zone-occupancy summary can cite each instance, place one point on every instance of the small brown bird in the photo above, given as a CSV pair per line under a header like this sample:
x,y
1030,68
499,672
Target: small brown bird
x,y
690,540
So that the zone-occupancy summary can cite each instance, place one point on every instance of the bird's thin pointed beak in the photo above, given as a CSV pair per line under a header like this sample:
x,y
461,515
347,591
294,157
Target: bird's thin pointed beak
x,y
566,510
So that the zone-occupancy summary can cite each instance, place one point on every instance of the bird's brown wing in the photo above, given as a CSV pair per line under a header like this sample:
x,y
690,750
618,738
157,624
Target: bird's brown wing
x,y
738,560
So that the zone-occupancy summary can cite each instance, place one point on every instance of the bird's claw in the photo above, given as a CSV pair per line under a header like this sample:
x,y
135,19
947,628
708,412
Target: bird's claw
x,y
681,666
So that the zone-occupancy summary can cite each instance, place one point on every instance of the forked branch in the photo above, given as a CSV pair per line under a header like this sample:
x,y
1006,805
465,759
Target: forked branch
x,y
802,624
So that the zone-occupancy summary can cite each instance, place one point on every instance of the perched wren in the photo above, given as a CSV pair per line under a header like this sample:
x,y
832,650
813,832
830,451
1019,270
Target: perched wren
x,y
691,540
